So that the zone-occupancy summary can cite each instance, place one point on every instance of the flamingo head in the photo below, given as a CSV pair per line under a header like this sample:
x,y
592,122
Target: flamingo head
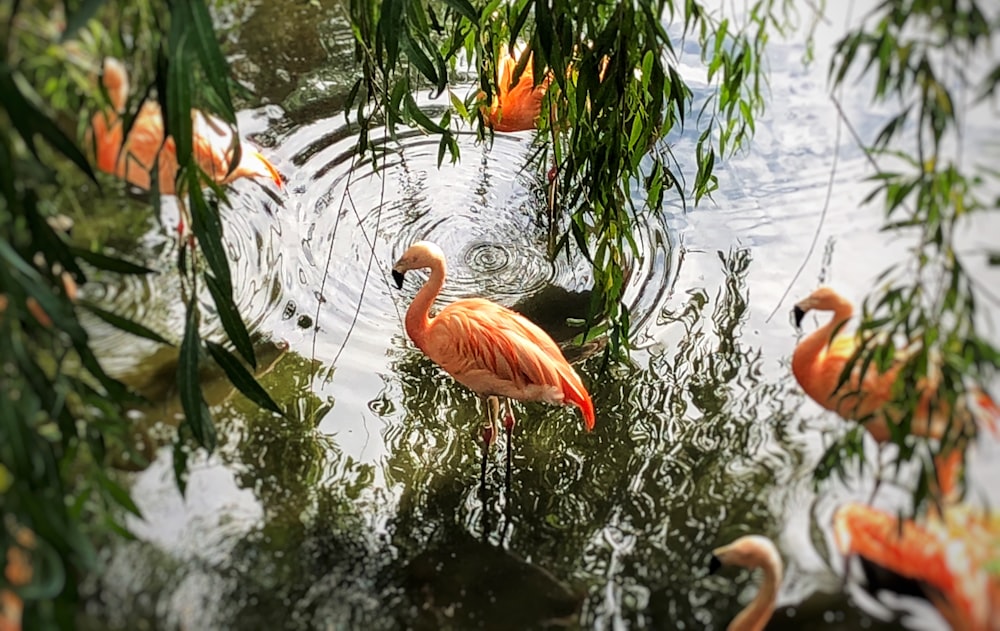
x,y
420,255
823,299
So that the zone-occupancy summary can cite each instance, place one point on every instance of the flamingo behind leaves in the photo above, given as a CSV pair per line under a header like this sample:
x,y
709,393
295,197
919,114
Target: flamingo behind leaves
x,y
820,359
147,148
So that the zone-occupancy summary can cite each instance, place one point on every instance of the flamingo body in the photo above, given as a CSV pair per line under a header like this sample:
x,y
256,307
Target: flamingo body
x,y
515,106
148,149
752,552
486,347
949,555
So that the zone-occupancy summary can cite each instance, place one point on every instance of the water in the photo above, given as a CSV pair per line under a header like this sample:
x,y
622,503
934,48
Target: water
x,y
364,508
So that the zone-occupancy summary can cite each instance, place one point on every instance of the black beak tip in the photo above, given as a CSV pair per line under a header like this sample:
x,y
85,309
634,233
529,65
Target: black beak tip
x,y
714,565
398,277
797,314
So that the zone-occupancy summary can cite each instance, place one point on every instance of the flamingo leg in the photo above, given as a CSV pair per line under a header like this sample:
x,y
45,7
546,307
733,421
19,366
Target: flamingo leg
x,y
508,423
489,436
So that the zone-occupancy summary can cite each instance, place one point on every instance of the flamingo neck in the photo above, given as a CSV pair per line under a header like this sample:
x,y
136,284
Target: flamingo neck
x,y
418,318
811,349
758,612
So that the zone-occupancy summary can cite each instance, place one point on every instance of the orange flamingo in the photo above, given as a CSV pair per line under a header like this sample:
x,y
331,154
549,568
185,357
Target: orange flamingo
x,y
133,159
753,551
515,106
820,359
493,351
952,556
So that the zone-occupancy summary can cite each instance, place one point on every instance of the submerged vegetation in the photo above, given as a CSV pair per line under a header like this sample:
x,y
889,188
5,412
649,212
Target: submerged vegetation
x,y
616,98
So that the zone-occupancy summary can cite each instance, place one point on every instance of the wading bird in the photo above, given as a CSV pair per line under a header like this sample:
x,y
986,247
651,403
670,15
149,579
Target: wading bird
x,y
515,106
752,552
951,556
819,361
146,149
486,347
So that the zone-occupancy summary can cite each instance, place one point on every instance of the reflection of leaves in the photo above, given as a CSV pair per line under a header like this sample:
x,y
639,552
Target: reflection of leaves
x,y
640,496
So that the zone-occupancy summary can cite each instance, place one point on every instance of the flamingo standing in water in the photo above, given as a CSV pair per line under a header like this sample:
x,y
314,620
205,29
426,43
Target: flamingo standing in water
x,y
493,351
753,551
515,106
820,359
952,556
134,159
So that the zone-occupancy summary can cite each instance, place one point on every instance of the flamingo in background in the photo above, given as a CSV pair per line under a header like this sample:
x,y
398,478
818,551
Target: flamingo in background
x,y
493,351
752,552
515,106
134,159
952,556
820,359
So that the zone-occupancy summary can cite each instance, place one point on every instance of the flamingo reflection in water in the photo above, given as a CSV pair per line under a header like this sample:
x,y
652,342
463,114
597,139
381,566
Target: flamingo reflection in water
x,y
147,148
820,359
493,351
953,555
752,552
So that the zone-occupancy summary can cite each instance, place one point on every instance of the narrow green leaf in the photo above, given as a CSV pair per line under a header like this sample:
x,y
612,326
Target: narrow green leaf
x,y
212,60
34,121
417,56
420,118
199,419
118,494
465,8
75,20
231,320
123,323
208,229
109,263
241,377
179,96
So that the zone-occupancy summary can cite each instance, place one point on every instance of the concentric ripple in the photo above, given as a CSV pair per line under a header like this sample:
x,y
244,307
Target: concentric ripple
x,y
312,265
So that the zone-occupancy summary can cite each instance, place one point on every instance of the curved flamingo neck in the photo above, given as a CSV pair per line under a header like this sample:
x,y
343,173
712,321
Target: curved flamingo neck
x,y
418,315
810,349
756,615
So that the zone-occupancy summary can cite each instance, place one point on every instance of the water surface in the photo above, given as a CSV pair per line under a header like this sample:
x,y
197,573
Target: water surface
x,y
364,507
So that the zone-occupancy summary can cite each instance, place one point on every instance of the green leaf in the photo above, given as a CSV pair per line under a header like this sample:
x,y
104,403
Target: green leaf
x,y
109,263
123,323
199,419
119,495
208,229
179,96
420,118
229,315
465,8
216,68
34,121
419,58
241,378
79,17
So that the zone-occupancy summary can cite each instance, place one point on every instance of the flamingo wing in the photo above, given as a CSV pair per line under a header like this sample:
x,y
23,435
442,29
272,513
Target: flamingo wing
x,y
494,350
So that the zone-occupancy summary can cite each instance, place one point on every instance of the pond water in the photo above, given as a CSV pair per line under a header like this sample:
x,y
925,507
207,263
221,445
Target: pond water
x,y
363,508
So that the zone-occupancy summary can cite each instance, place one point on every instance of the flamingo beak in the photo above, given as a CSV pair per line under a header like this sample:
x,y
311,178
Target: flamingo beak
x,y
797,314
714,565
398,277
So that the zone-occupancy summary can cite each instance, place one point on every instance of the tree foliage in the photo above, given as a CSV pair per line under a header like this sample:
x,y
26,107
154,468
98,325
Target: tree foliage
x,y
61,415
616,96
917,57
